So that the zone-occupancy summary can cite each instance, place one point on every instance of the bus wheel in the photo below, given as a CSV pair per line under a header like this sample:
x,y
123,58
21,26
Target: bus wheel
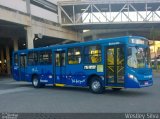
x,y
116,89
35,82
96,85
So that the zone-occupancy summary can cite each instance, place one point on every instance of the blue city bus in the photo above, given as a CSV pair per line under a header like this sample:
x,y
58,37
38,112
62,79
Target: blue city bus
x,y
115,63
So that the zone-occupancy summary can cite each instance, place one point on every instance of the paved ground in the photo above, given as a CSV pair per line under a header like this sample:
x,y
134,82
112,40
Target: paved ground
x,y
22,97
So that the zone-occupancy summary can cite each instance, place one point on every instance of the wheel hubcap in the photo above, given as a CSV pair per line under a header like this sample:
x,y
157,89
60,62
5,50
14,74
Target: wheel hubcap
x,y
95,85
35,82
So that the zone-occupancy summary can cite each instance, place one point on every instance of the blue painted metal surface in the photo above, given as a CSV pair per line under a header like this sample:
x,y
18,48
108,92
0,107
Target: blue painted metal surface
x,y
76,75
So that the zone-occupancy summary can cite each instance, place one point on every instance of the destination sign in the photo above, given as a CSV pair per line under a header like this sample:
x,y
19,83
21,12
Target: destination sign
x,y
138,41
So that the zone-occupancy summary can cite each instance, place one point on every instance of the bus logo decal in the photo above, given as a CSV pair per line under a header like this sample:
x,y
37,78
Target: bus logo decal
x,y
90,67
45,81
114,43
78,81
59,49
34,69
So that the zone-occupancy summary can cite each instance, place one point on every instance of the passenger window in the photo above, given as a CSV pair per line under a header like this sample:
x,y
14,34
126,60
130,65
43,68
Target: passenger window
x,y
16,59
32,58
45,57
74,55
92,54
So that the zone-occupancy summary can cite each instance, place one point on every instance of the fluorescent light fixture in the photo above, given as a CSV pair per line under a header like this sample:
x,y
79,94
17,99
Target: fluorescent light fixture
x,y
83,9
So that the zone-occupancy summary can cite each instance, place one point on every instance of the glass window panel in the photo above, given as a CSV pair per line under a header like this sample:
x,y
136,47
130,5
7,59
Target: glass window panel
x,y
110,74
92,54
120,56
45,57
110,56
74,55
16,59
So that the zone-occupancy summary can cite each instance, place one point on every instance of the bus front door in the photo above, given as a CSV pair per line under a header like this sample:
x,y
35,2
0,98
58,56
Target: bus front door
x,y
60,69
115,65
22,69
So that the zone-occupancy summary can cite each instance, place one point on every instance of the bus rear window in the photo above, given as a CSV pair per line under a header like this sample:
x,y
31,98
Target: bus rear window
x,y
92,54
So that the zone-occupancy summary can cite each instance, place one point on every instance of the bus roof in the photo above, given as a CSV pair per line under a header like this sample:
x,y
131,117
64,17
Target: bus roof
x,y
122,39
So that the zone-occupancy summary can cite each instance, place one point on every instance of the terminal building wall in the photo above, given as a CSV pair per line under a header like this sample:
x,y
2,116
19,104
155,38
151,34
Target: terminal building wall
x,y
37,10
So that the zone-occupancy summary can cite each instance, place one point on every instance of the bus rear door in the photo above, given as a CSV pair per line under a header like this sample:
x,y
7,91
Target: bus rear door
x,y
15,67
22,69
60,68
115,65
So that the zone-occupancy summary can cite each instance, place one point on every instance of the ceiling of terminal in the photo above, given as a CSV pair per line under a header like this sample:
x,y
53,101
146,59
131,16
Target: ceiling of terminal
x,y
47,41
10,30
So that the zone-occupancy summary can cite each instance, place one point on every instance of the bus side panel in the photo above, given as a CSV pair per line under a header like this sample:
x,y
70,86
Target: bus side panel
x,y
44,73
31,70
15,72
75,75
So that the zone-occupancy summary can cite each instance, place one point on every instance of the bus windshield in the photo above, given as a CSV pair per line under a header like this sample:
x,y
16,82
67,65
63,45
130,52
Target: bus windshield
x,y
138,57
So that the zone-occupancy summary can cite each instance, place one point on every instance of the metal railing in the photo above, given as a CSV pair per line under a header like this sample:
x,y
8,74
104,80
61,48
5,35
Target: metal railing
x,y
79,12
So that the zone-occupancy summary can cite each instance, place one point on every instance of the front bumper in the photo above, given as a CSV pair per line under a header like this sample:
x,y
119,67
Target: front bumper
x,y
145,83
130,83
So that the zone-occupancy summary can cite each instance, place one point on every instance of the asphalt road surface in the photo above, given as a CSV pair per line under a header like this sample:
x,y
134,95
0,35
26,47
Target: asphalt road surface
x,y
22,97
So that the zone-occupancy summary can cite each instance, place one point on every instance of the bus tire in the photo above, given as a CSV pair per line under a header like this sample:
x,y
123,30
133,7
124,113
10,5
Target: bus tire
x,y
116,89
96,85
36,82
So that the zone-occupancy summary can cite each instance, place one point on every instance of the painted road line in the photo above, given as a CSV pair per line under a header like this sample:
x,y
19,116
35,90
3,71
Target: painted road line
x,y
14,90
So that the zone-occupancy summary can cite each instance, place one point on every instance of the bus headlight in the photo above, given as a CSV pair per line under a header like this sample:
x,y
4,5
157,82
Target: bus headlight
x,y
132,77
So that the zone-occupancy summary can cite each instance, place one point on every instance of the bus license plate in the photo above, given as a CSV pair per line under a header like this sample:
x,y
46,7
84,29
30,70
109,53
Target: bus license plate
x,y
146,83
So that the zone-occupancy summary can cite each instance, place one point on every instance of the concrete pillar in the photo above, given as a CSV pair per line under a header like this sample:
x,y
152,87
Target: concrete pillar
x,y
8,60
2,61
30,37
15,43
59,15
94,35
28,7
79,35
